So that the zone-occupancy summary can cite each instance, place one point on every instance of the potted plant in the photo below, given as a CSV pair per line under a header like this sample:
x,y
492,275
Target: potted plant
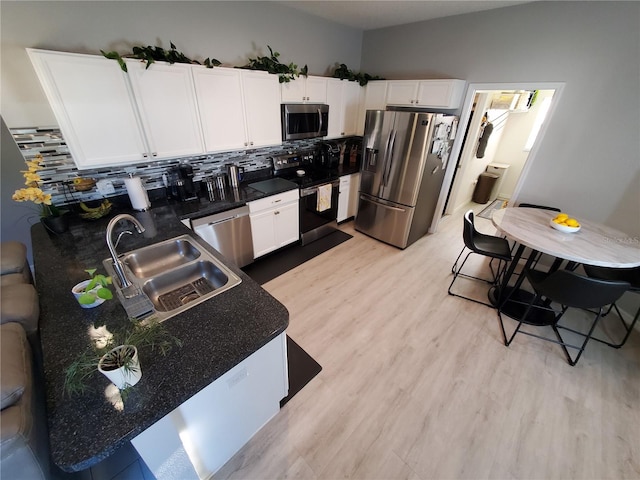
x,y
93,292
52,217
115,355
121,365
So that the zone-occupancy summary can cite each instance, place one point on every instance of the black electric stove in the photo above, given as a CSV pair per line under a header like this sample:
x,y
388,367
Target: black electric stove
x,y
319,189
303,168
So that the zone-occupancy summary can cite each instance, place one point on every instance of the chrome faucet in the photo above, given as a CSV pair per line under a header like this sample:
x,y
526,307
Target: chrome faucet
x,y
117,265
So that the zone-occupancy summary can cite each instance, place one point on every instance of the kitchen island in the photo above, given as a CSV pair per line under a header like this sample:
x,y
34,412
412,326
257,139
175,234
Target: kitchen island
x,y
217,335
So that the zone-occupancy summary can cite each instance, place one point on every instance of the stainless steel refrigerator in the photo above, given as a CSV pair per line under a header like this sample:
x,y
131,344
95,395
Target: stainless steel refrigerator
x,y
405,155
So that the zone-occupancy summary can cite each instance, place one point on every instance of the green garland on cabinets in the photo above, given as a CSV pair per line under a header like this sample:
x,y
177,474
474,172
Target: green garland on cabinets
x,y
158,54
343,73
270,63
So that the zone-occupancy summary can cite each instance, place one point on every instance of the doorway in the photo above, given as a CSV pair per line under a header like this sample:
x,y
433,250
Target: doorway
x,y
518,129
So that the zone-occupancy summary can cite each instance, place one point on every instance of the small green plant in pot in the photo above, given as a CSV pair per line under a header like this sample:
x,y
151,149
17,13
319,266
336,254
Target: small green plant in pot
x,y
115,355
91,293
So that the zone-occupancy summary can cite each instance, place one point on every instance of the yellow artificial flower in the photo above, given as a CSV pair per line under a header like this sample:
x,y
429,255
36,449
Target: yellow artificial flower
x,y
32,192
31,178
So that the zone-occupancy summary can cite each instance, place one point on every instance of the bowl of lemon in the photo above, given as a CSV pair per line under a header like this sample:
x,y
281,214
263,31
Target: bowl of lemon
x,y
565,223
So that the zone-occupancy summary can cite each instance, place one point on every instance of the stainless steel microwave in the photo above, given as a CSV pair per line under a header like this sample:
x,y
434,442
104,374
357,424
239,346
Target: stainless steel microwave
x,y
304,120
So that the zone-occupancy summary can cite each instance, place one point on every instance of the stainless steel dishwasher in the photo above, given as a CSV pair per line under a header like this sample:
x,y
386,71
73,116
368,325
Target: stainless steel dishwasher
x,y
228,232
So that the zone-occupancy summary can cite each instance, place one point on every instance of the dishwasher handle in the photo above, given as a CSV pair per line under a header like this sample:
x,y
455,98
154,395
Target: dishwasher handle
x,y
232,217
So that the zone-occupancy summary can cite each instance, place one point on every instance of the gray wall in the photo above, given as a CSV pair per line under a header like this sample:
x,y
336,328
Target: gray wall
x,y
229,31
17,218
589,160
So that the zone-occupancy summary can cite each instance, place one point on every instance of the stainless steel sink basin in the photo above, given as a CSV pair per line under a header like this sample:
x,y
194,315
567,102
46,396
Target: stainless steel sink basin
x,y
155,259
174,275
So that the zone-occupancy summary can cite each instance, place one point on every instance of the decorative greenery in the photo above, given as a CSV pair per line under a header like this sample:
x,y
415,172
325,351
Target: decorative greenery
x,y
33,193
151,334
157,54
271,64
343,73
91,293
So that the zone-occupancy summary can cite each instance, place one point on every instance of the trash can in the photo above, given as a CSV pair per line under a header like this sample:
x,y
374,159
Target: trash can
x,y
499,169
483,189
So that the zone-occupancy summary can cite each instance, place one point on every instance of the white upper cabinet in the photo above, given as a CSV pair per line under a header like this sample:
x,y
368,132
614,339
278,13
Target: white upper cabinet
x,y
375,98
221,105
441,93
426,93
309,89
262,108
238,108
166,100
343,98
90,98
401,92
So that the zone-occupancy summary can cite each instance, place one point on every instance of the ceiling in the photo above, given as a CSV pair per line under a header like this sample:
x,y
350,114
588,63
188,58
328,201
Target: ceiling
x,y
368,14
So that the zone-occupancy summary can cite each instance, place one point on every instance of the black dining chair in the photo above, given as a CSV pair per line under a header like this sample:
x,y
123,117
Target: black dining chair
x,y
631,275
569,290
543,207
480,244
515,245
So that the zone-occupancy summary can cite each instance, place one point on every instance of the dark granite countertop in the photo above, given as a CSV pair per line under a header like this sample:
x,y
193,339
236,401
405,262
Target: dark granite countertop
x,y
219,202
231,198
216,334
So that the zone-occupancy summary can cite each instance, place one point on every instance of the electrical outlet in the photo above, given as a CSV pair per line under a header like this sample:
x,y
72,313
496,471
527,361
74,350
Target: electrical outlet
x,y
105,187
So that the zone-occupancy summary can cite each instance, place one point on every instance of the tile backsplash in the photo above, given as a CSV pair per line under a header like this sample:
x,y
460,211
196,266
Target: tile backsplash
x,y
59,169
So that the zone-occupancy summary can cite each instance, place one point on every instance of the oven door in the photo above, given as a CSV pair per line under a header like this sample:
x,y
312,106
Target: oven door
x,y
304,121
318,211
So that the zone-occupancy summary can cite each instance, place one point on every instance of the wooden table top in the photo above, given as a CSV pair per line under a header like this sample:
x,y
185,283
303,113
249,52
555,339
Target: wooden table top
x,y
593,244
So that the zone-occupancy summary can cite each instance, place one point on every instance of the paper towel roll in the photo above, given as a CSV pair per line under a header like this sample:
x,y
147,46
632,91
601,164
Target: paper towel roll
x,y
137,193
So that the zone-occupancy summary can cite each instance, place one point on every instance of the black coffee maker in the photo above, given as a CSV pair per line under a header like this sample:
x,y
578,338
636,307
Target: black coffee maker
x,y
328,155
181,185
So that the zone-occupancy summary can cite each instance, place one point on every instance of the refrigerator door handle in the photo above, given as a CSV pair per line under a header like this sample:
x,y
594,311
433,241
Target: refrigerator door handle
x,y
366,198
387,166
433,172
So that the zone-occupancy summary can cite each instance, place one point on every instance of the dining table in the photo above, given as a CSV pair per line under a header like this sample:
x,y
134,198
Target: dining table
x,y
593,244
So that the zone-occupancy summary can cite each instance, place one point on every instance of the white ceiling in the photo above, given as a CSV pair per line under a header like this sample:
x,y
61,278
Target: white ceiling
x,y
371,14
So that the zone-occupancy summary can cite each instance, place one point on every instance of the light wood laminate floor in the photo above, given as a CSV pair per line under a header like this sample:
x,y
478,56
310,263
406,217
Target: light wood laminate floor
x,y
418,384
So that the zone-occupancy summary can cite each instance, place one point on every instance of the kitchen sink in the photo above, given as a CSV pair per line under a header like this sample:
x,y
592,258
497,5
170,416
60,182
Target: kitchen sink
x,y
172,290
155,259
170,277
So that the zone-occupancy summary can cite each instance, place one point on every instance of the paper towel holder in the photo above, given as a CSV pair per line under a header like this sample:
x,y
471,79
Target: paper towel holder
x,y
137,193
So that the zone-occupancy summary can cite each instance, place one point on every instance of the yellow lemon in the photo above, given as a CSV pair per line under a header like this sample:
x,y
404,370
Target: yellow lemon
x,y
562,216
557,220
572,222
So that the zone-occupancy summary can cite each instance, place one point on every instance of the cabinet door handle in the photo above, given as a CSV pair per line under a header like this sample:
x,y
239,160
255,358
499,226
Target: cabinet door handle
x,y
276,212
276,201
155,154
145,155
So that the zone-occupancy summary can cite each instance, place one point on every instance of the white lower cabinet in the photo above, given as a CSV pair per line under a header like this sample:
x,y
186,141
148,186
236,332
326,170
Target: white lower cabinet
x,y
275,222
348,198
202,434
